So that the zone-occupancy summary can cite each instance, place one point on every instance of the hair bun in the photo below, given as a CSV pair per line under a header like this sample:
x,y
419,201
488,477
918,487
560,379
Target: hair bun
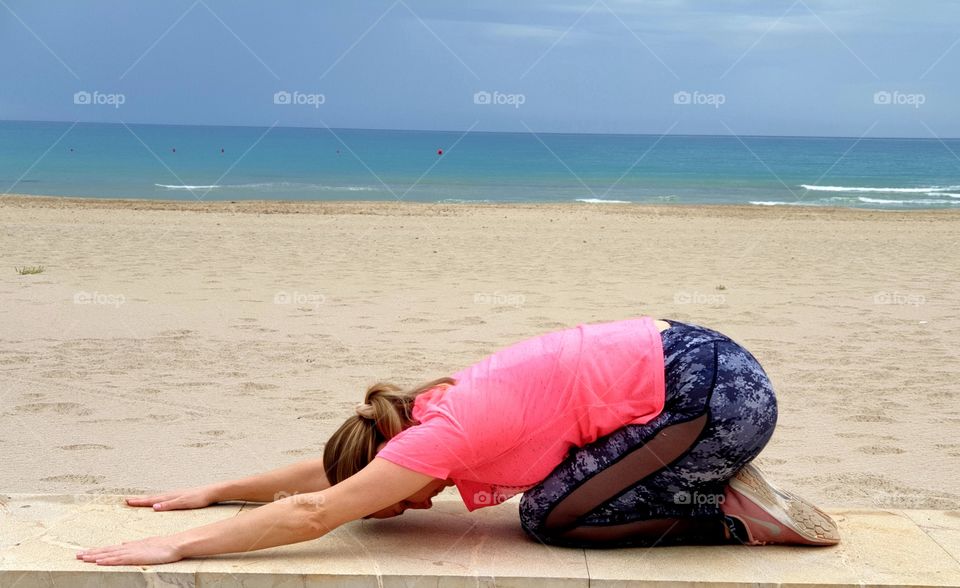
x,y
365,411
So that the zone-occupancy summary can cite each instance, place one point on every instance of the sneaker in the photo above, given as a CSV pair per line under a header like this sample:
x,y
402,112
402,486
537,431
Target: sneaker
x,y
768,515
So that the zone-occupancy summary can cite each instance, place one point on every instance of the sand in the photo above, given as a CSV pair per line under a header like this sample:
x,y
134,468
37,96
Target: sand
x,y
169,344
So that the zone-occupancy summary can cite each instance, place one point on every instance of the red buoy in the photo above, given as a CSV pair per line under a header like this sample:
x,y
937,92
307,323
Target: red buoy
x,y
439,151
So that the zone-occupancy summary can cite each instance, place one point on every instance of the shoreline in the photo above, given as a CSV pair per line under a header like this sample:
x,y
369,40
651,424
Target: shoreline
x,y
388,207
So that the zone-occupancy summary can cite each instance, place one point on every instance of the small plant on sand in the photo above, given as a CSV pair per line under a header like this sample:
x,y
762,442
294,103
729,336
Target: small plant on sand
x,y
721,287
29,269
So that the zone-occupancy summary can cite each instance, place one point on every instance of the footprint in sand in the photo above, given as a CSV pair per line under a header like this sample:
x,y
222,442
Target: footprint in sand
x,y
870,418
176,333
303,451
74,479
468,321
880,450
72,408
251,387
82,446
320,416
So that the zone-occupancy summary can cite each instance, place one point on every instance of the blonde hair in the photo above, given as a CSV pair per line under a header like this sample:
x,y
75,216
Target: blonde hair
x,y
384,412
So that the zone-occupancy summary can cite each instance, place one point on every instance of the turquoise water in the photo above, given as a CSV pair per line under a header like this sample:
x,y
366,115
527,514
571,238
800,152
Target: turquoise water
x,y
186,162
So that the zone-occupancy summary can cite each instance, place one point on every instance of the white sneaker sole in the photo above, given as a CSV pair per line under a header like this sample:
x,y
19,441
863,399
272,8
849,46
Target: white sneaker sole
x,y
793,512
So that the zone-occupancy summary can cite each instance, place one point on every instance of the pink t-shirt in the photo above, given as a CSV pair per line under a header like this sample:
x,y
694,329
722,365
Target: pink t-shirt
x,y
512,417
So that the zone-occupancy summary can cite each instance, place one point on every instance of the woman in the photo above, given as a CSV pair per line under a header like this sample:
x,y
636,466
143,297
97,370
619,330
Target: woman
x,y
626,433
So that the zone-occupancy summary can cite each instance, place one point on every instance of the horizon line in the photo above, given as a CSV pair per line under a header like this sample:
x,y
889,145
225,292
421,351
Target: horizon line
x,y
154,124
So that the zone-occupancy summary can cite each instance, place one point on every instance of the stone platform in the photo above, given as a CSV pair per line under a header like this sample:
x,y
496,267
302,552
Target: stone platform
x,y
448,547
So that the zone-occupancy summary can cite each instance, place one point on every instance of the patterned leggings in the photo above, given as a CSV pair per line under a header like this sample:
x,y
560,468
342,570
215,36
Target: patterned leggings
x,y
663,482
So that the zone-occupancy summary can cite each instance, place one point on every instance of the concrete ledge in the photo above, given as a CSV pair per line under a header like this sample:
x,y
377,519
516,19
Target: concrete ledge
x,y
446,546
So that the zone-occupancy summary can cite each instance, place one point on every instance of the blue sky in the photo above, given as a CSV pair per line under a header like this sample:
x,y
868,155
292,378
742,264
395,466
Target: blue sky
x,y
799,67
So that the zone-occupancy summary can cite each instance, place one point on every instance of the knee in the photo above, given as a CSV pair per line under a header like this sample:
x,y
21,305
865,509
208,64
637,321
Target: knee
x,y
533,517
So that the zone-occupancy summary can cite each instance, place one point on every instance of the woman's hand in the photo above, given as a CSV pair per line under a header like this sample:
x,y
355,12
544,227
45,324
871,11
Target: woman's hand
x,y
185,499
154,550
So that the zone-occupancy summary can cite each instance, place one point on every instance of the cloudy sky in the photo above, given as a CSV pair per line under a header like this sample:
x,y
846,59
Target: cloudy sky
x,y
771,67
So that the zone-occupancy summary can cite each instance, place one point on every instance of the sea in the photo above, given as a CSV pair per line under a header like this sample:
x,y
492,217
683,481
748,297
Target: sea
x,y
170,162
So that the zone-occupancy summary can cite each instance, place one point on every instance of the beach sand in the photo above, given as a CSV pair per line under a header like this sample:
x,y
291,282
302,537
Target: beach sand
x,y
169,344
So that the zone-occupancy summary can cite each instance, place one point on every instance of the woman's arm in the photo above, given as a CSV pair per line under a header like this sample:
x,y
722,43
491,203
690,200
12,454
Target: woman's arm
x,y
298,478
288,520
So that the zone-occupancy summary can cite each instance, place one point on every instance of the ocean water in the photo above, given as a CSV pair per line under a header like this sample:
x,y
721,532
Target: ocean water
x,y
244,163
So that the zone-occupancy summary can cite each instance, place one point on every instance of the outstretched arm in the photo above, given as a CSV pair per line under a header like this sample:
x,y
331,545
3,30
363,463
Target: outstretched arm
x,y
289,520
298,478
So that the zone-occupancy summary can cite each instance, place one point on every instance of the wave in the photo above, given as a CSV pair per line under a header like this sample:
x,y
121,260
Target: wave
x,y
926,190
186,187
853,201
602,201
266,186
774,203
882,201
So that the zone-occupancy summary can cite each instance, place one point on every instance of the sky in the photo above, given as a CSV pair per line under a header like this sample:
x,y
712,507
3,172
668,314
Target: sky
x,y
878,68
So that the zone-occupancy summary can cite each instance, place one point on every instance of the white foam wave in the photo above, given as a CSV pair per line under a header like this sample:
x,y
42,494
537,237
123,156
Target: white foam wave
x,y
847,201
926,190
270,185
186,187
776,203
883,201
602,201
